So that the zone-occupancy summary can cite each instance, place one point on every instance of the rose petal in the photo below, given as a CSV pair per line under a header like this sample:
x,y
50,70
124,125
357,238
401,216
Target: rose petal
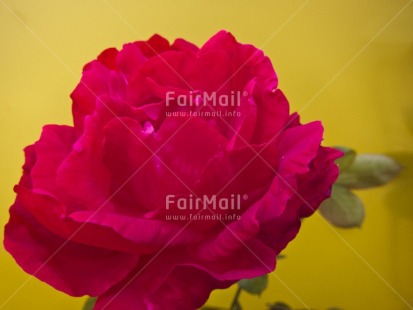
x,y
246,60
154,46
297,147
185,288
238,239
68,266
130,60
52,148
315,186
272,114
108,58
184,46
93,84
177,160
246,171
162,277
30,160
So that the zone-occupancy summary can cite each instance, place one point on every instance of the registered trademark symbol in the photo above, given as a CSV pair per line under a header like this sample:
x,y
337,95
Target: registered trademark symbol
x,y
245,196
245,93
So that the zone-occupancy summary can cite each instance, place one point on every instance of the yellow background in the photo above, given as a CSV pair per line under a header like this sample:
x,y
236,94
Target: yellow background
x,y
348,63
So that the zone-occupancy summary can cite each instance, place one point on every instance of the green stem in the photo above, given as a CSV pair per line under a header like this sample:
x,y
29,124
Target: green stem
x,y
235,301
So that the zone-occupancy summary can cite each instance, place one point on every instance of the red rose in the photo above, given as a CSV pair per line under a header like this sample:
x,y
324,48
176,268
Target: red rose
x,y
157,127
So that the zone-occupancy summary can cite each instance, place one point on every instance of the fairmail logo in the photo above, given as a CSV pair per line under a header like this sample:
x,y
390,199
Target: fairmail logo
x,y
202,98
212,202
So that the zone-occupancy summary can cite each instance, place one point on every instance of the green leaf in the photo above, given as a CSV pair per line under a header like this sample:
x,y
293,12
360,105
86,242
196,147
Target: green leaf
x,y
348,158
254,286
279,306
343,209
89,304
369,170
